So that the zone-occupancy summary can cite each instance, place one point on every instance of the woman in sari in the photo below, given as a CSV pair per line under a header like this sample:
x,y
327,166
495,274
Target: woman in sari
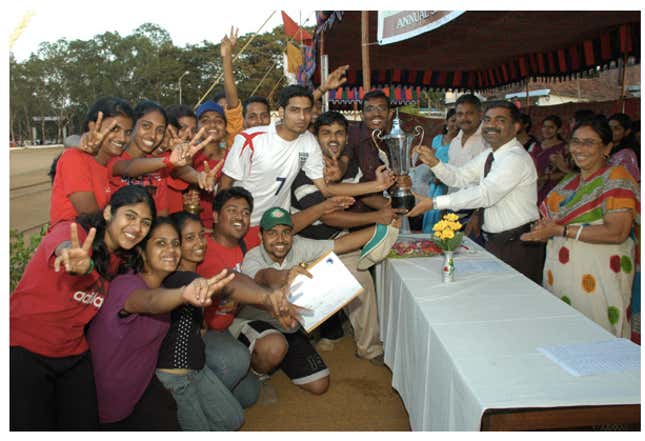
x,y
626,150
440,144
588,220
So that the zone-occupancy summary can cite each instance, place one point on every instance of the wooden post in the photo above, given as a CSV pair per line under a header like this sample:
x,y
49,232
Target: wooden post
x,y
365,50
622,84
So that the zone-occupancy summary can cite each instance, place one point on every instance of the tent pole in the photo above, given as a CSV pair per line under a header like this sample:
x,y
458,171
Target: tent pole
x,y
212,86
365,51
323,70
622,84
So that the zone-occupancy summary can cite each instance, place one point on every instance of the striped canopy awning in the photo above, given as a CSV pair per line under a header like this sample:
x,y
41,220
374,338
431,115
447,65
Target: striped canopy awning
x,y
481,49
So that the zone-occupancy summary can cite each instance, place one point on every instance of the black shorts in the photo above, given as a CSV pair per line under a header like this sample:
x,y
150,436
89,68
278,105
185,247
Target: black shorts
x,y
302,363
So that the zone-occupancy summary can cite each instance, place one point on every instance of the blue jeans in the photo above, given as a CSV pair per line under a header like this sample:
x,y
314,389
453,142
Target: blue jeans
x,y
203,402
230,360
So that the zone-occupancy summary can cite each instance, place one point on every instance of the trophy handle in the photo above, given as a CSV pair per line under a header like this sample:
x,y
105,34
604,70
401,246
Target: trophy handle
x,y
377,136
418,130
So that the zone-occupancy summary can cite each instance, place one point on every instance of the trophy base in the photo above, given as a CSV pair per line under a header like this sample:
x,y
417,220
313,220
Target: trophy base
x,y
404,203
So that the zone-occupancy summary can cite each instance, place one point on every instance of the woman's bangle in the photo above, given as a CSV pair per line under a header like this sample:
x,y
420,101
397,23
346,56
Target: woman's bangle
x,y
169,165
579,232
90,268
322,92
564,231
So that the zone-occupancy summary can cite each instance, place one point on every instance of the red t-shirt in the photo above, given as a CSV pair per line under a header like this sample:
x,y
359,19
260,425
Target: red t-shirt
x,y
216,259
206,197
154,182
77,171
252,237
49,310
175,190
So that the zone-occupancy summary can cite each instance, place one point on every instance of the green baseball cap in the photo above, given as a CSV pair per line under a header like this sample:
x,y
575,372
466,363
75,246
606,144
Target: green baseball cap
x,y
275,216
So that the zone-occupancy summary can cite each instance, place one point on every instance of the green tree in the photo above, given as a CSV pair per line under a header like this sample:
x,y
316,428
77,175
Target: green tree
x,y
63,78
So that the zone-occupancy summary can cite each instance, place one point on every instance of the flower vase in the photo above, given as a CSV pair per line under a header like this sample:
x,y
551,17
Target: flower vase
x,y
448,267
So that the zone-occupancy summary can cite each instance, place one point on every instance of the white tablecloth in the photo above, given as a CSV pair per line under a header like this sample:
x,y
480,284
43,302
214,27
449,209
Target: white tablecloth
x,y
457,349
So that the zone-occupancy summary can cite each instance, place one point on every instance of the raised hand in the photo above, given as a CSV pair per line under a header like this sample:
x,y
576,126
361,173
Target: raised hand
x,y
426,155
183,153
384,178
207,177
404,181
294,271
191,197
423,204
559,161
337,203
76,257
92,139
332,170
337,78
172,138
228,42
200,291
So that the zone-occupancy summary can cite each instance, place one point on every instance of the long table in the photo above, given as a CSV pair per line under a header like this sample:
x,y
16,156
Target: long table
x,y
464,354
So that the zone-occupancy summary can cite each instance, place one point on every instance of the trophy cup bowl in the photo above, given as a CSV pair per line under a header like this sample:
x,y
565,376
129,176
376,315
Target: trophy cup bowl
x,y
192,209
400,145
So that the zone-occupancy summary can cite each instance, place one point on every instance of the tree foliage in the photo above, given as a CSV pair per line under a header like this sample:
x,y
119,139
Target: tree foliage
x,y
64,78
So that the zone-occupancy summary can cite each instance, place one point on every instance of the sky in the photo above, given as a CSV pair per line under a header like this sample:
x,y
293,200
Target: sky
x,y
73,19
209,20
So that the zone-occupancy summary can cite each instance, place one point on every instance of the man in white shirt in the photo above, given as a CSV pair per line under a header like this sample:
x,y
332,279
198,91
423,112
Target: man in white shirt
x,y
502,181
468,143
265,160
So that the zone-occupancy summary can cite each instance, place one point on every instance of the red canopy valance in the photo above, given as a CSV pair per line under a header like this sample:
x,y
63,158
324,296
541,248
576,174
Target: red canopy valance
x,y
482,49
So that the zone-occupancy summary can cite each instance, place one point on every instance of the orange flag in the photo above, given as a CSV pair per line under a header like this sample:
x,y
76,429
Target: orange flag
x,y
292,29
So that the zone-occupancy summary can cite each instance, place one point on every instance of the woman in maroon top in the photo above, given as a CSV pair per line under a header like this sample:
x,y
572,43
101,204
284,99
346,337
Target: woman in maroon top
x,y
544,155
63,287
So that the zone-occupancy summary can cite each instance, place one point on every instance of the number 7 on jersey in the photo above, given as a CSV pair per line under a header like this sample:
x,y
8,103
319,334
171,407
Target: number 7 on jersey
x,y
281,180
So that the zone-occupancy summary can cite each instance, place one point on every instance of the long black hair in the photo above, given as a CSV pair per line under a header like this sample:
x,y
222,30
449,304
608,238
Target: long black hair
x,y
138,262
628,141
128,195
110,106
555,119
449,115
147,106
181,217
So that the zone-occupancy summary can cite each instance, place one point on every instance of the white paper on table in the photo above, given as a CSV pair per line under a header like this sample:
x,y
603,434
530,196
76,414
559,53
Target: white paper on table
x,y
580,359
332,287
479,266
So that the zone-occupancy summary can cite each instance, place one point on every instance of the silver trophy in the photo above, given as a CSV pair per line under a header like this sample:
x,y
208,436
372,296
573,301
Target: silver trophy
x,y
400,145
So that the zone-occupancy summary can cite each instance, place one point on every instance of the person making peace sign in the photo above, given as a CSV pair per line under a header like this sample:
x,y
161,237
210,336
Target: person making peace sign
x,y
81,182
61,290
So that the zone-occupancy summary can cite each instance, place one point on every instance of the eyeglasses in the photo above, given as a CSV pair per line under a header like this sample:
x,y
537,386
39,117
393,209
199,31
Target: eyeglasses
x,y
370,108
584,142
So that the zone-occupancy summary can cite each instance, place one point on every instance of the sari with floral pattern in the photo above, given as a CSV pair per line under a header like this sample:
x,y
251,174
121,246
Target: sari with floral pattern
x,y
596,279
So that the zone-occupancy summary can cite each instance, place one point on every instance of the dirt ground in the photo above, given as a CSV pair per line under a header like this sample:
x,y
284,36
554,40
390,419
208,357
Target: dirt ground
x,y
30,187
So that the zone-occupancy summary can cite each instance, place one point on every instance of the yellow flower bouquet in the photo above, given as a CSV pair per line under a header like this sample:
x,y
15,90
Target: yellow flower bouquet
x,y
446,233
